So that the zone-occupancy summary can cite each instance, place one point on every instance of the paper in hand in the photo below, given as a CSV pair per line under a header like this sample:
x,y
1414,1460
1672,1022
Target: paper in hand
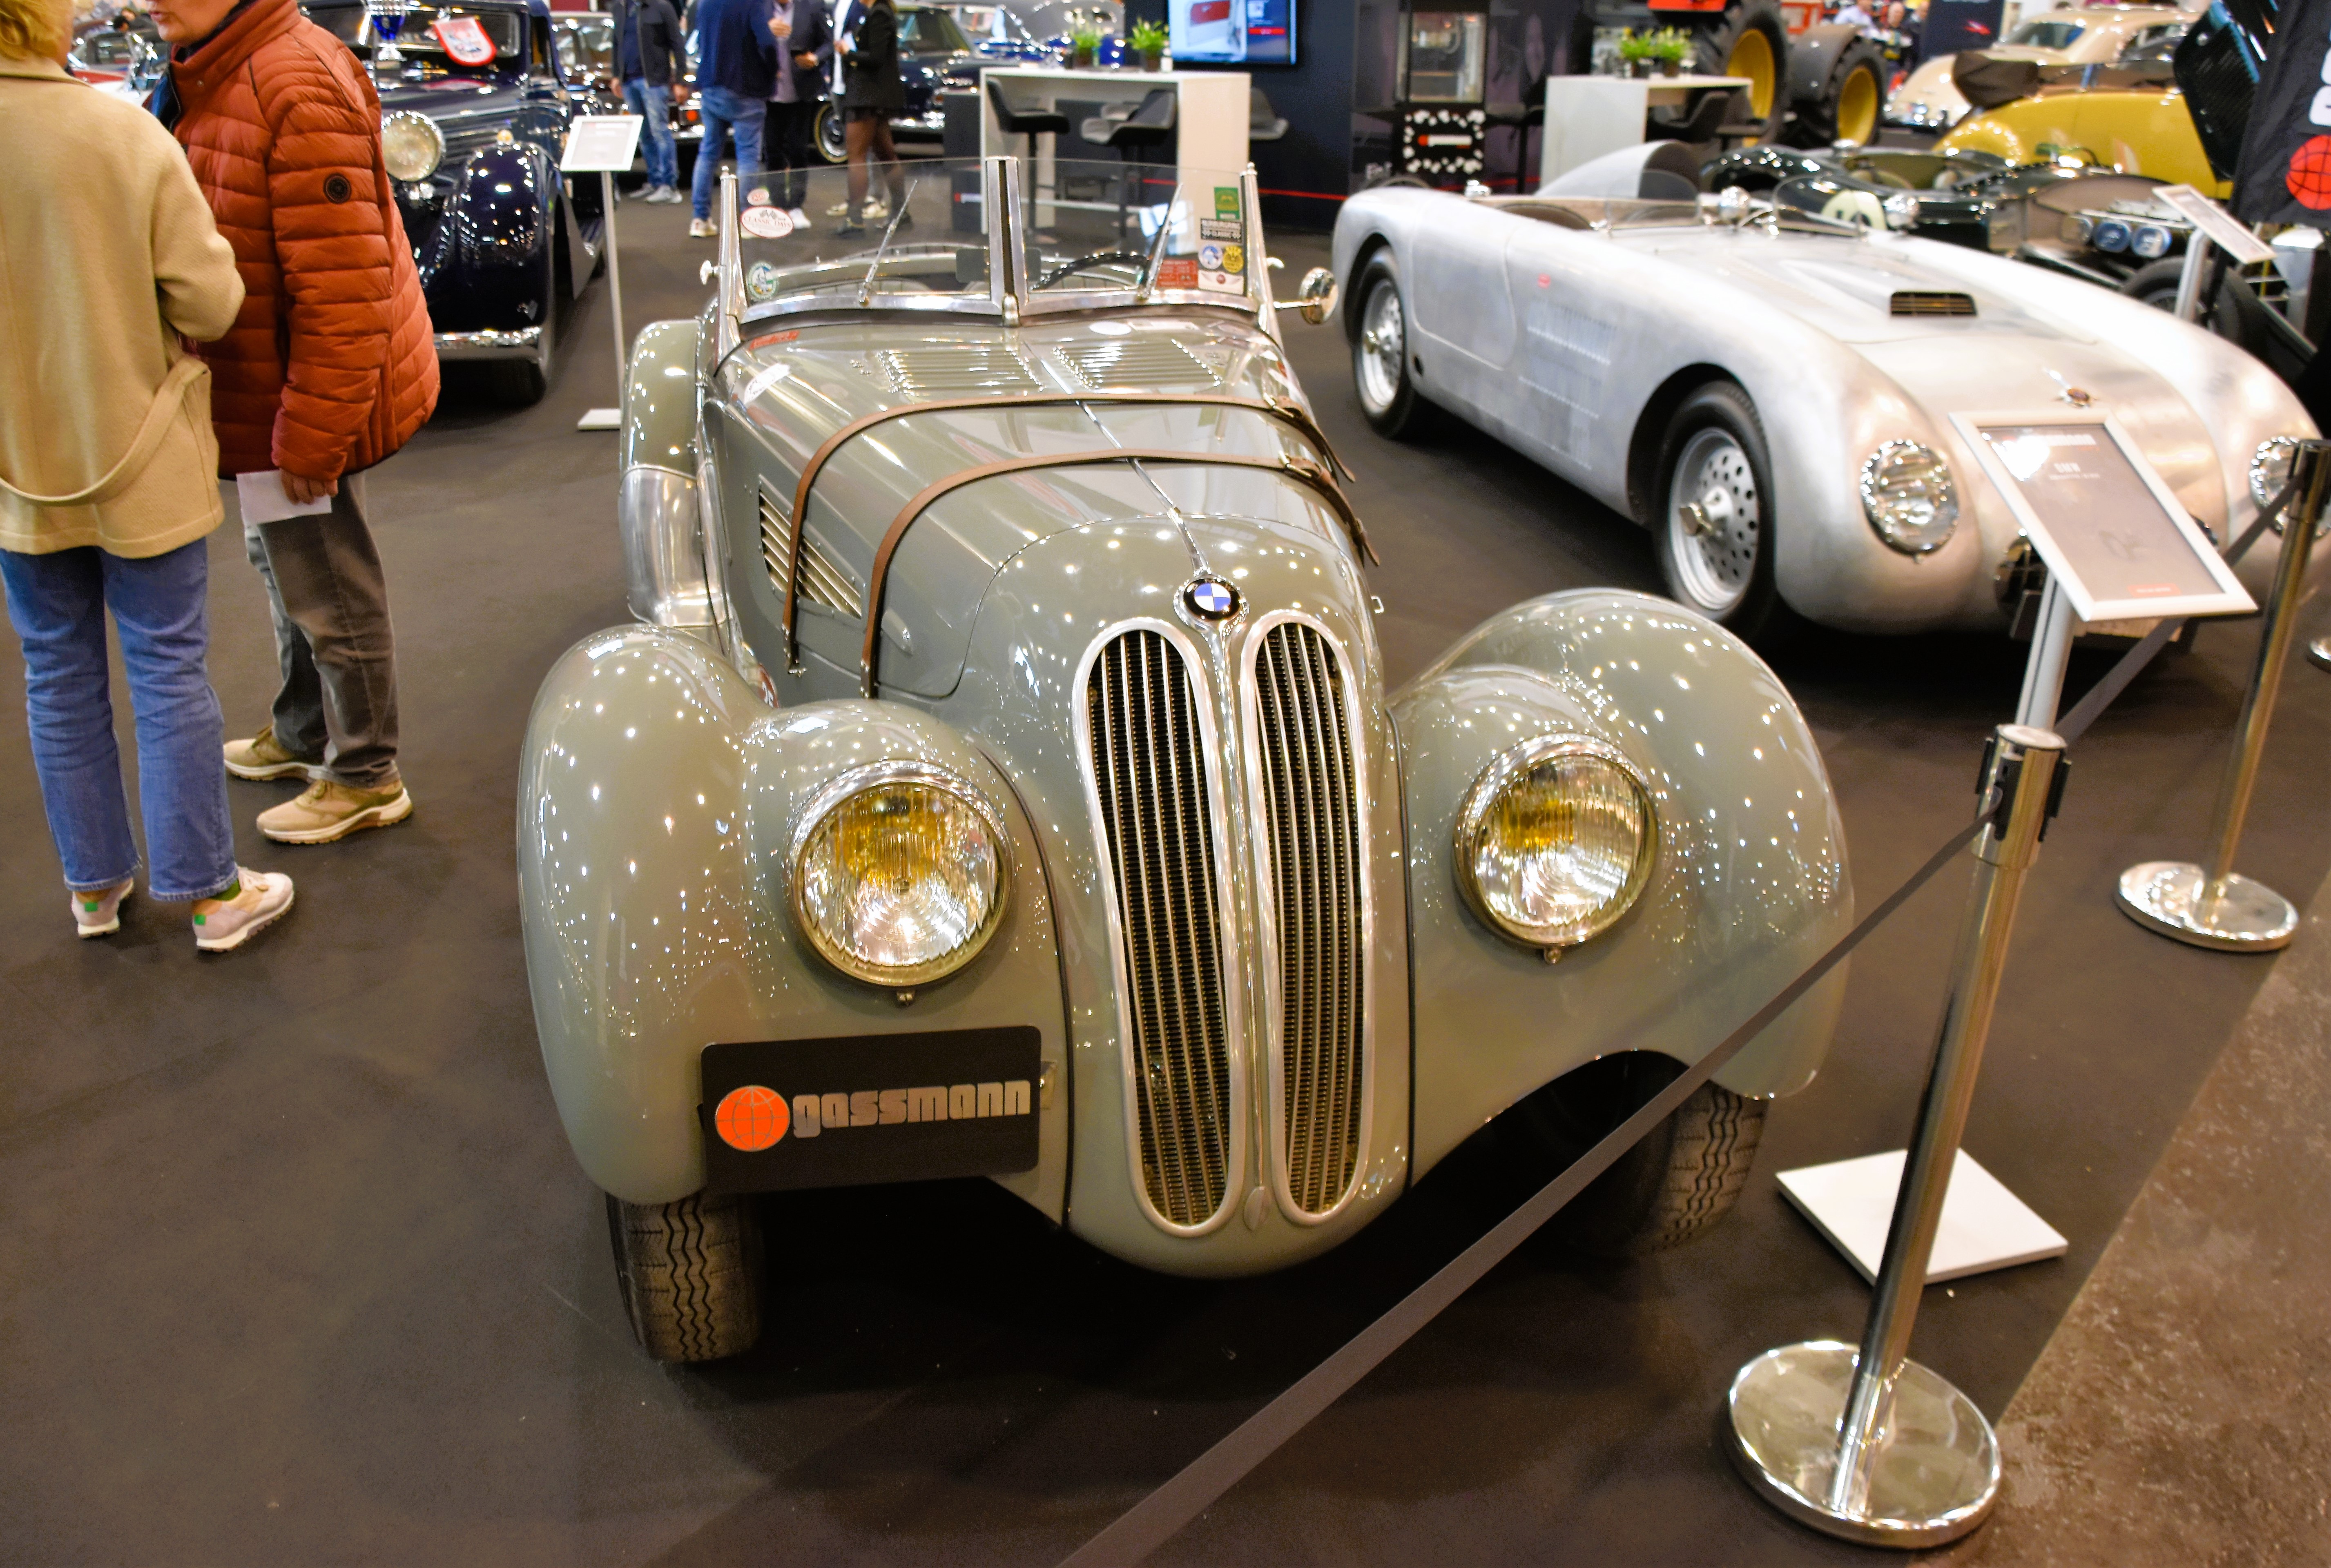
x,y
264,500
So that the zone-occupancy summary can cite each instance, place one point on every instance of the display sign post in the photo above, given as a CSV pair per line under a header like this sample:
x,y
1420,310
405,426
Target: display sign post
x,y
2212,225
2213,907
2117,541
1863,1442
605,143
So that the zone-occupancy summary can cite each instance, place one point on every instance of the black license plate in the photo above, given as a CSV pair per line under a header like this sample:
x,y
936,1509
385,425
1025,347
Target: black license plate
x,y
868,1108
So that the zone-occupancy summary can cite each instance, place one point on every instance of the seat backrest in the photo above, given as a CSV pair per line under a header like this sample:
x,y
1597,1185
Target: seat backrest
x,y
1156,110
1257,106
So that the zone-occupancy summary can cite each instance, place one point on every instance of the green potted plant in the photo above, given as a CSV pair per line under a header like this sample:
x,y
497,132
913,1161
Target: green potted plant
x,y
1670,47
1084,42
1636,53
1148,41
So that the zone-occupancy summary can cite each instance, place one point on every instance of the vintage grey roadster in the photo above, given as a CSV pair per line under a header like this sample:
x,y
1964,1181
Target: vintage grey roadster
x,y
999,779
1771,393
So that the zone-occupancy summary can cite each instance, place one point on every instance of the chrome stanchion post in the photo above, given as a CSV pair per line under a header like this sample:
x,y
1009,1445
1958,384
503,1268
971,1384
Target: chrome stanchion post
x,y
1864,1443
2212,907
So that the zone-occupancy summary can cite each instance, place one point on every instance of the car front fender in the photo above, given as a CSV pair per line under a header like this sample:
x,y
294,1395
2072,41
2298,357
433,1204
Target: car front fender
x,y
1749,886
656,809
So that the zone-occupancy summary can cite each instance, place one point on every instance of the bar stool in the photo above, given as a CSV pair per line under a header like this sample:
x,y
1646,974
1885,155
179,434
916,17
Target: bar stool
x,y
1031,123
1262,121
1146,129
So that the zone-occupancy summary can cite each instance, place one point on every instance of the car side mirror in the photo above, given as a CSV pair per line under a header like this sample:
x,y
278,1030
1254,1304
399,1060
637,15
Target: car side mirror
x,y
1314,298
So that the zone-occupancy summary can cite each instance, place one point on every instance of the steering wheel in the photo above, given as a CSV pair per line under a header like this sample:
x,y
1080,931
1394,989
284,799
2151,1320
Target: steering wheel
x,y
1090,259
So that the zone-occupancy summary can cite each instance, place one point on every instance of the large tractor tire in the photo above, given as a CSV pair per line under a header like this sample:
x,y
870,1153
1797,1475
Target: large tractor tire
x,y
1836,86
1751,40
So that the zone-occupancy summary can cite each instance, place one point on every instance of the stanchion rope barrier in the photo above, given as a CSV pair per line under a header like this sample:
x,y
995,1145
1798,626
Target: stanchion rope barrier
x,y
1159,1517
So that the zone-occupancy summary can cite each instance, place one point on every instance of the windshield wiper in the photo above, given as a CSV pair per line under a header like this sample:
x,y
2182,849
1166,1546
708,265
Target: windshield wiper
x,y
1157,254
866,287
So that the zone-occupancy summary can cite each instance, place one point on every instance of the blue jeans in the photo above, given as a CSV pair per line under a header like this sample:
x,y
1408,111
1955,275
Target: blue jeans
x,y
654,104
724,112
58,603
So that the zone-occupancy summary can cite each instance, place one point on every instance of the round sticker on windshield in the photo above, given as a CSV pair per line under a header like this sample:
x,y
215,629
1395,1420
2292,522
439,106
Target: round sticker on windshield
x,y
767,222
761,282
1210,257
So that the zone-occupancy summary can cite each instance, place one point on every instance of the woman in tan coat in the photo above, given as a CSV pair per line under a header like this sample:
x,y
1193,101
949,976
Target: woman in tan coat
x,y
109,259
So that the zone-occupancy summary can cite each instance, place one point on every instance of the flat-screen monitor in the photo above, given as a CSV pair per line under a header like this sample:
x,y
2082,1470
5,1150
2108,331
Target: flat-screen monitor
x,y
1231,32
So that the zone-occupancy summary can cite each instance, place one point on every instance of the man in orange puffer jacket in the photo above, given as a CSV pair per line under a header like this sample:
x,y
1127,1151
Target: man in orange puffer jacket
x,y
330,368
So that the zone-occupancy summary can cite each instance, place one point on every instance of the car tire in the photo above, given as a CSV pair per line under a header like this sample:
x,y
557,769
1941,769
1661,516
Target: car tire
x,y
832,137
1751,40
1676,1182
2231,313
1381,364
689,1274
1849,102
1711,513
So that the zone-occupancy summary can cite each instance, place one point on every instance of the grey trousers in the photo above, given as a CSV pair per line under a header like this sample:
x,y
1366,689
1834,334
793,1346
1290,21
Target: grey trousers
x,y
332,634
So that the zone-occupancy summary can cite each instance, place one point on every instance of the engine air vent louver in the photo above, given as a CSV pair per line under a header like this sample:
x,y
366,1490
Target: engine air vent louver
x,y
1931,302
822,581
942,369
1158,363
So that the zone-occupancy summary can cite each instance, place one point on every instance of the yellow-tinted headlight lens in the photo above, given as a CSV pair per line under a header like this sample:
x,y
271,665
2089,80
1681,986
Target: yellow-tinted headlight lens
x,y
410,145
1555,840
898,874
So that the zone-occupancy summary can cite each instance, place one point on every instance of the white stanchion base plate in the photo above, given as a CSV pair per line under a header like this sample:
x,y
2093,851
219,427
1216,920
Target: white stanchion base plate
x,y
2168,896
601,419
1984,1226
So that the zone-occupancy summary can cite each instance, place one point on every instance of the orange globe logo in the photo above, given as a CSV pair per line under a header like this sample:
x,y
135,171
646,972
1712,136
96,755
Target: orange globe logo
x,y
2310,175
751,1119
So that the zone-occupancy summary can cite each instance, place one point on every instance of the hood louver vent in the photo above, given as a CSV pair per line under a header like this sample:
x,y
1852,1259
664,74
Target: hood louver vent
x,y
941,370
1931,302
823,581
1152,363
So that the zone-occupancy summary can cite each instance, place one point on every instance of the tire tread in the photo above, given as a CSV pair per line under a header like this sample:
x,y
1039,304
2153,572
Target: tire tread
x,y
689,1275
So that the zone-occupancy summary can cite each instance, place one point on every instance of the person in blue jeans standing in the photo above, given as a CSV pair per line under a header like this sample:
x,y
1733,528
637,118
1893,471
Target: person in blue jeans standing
x,y
736,74
653,68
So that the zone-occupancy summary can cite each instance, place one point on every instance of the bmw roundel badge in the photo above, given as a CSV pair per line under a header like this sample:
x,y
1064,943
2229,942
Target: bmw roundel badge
x,y
1209,599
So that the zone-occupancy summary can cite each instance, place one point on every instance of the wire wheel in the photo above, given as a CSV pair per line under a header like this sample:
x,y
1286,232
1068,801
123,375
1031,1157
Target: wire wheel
x,y
1715,522
1383,349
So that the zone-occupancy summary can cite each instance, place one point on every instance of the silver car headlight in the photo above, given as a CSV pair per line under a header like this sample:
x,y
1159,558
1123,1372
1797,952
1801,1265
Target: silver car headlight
x,y
899,873
1908,496
2270,467
410,145
1555,840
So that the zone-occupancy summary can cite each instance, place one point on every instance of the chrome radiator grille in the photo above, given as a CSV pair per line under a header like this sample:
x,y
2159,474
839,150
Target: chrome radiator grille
x,y
1309,813
1148,760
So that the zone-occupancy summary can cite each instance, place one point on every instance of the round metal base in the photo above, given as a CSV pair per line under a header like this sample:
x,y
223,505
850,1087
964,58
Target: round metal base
x,y
2166,895
2319,650
1934,1472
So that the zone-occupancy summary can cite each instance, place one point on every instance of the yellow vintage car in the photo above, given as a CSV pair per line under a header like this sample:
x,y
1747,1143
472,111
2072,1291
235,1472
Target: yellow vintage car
x,y
2138,130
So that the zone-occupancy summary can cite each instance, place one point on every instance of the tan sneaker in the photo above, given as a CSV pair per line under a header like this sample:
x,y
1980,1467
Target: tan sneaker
x,y
99,914
224,924
263,757
328,809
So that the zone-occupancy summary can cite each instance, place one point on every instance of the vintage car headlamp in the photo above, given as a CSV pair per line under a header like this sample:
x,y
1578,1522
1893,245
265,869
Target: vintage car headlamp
x,y
1555,840
2151,242
897,873
1901,210
2270,467
2112,235
1908,496
411,145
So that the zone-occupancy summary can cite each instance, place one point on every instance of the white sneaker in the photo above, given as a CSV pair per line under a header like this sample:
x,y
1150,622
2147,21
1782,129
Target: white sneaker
x,y
99,914
702,229
224,924
876,211
666,195
801,219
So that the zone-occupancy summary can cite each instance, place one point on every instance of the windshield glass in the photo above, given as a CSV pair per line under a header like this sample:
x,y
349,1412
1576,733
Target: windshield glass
x,y
2047,34
1095,233
924,31
992,22
481,40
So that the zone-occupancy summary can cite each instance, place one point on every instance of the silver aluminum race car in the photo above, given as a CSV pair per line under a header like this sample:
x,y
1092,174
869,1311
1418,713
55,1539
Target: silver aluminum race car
x,y
1770,393
1000,781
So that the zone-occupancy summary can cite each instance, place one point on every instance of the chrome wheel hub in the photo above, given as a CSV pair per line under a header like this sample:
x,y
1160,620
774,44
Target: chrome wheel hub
x,y
1383,349
1715,521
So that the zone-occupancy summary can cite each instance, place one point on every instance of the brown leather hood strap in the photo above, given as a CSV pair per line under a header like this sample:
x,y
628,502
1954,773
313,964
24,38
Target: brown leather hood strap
x,y
1293,414
1303,470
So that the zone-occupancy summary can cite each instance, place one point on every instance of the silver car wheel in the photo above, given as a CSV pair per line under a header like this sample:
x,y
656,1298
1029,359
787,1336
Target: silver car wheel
x,y
1383,347
1715,521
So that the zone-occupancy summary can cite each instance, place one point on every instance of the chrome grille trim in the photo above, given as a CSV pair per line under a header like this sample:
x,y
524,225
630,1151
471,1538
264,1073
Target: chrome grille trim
x,y
823,580
1314,900
1150,746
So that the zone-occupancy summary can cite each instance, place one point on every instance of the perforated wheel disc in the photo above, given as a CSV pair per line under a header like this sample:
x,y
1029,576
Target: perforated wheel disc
x,y
1714,551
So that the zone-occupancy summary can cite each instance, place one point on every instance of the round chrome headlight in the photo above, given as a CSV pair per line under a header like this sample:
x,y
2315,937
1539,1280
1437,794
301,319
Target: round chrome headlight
x,y
410,145
2270,467
1555,840
2152,242
1908,495
897,873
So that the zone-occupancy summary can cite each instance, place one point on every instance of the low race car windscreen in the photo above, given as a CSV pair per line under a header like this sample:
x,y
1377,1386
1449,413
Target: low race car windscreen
x,y
1231,32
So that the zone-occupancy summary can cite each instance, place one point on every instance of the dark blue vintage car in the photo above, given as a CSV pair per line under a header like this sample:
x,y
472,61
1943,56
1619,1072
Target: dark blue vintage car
x,y
474,109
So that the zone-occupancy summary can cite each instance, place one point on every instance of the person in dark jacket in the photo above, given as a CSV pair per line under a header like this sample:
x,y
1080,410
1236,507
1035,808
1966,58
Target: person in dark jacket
x,y
651,67
736,72
804,35
872,92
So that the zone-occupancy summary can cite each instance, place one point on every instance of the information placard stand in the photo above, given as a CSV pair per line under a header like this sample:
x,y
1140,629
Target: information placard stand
x,y
605,145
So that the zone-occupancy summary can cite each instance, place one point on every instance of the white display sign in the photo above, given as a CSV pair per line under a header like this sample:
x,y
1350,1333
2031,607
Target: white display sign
x,y
2114,535
2214,221
601,142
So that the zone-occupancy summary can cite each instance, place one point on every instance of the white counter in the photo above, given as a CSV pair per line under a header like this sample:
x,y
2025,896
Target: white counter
x,y
1210,121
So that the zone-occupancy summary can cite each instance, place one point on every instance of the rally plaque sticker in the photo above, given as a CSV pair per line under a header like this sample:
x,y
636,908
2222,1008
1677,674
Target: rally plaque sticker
x,y
866,1108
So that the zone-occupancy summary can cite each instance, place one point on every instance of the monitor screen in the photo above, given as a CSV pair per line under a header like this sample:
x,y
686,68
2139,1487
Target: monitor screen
x,y
1231,32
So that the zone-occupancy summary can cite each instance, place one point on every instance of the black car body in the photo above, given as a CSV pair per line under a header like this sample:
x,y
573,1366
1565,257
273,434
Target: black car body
x,y
501,238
